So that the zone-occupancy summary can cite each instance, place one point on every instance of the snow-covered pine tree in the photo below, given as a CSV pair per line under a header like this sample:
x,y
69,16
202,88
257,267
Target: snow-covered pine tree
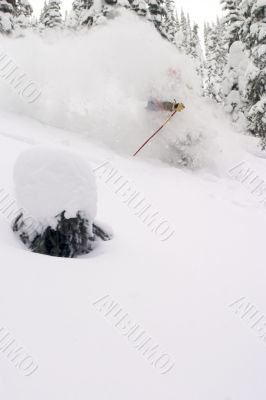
x,y
178,34
177,21
195,47
75,14
206,32
189,35
216,59
109,8
90,12
233,88
221,52
34,22
43,12
255,42
140,7
196,52
187,40
77,7
170,20
234,84
171,10
257,37
85,12
7,9
233,20
71,231
66,19
245,7
23,14
157,14
184,32
97,12
210,40
52,17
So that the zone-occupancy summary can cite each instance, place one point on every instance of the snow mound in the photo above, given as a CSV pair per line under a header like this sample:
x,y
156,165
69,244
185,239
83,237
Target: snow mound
x,y
51,180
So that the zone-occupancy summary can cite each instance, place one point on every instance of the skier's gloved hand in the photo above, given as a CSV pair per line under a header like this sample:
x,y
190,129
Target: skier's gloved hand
x,y
179,107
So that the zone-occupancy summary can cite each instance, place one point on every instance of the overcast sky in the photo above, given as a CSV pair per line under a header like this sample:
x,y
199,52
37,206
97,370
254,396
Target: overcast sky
x,y
200,10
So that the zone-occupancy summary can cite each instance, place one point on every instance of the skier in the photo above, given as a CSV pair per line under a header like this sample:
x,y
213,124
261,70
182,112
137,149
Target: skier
x,y
155,104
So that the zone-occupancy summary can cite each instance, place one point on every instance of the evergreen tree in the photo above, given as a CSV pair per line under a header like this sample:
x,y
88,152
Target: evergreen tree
x,y
245,74
69,238
24,13
52,17
256,39
196,52
245,10
195,47
34,22
255,42
109,8
189,35
161,14
7,10
96,13
184,32
233,90
233,20
157,15
210,46
177,21
73,20
140,7
43,12
206,32
216,59
170,20
66,18
234,84
86,12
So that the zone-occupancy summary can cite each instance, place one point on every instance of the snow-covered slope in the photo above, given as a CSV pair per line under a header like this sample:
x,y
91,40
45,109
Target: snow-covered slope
x,y
76,318
178,291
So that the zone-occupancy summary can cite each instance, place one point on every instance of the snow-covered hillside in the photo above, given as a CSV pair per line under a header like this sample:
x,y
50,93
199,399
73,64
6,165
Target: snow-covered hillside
x,y
188,294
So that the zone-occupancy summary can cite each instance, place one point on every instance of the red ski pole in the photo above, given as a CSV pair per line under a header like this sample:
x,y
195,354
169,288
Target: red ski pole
x,y
155,133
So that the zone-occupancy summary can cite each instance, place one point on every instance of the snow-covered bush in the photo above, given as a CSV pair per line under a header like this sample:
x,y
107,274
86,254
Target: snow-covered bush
x,y
186,151
57,189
